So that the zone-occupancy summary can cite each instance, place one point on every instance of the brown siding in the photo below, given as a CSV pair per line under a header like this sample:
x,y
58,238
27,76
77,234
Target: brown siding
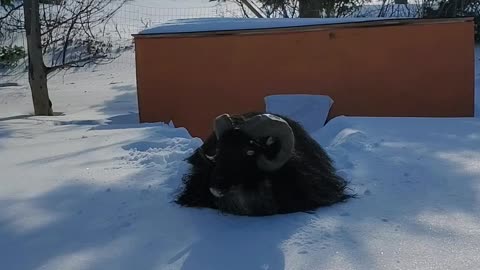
x,y
423,70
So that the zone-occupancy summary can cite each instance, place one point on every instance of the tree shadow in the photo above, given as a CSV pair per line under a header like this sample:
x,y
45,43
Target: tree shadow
x,y
25,116
244,243
5,133
125,101
122,110
122,103
9,84
103,227
16,117
11,76
60,157
129,120
133,224
124,88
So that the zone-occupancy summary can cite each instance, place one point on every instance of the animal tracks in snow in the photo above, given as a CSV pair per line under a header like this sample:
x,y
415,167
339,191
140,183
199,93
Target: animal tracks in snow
x,y
159,153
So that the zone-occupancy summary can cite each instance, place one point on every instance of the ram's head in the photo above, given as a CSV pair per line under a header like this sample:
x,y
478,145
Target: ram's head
x,y
248,150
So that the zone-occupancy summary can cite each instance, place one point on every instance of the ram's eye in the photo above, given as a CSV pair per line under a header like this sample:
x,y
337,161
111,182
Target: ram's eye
x,y
270,141
250,152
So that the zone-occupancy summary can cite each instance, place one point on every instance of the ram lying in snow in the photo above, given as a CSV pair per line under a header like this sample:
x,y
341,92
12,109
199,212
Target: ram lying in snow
x,y
260,164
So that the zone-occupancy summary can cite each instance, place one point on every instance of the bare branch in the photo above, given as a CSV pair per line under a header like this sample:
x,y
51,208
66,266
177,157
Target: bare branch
x,y
10,11
79,62
242,6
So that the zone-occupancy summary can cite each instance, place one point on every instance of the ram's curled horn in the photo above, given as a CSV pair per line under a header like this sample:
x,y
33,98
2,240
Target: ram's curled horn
x,y
267,125
221,124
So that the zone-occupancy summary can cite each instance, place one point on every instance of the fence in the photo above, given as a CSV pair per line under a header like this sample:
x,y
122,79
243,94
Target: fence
x,y
132,18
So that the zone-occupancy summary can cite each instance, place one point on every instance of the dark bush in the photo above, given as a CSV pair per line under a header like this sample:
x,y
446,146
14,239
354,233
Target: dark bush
x,y
452,9
11,55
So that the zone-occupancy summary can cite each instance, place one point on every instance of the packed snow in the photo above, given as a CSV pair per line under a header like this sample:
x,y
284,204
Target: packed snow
x,y
91,188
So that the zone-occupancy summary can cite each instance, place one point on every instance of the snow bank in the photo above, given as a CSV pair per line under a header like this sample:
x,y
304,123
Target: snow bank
x,y
309,110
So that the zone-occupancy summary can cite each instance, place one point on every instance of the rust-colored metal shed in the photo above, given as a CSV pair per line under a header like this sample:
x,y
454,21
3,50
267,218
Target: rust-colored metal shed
x,y
190,71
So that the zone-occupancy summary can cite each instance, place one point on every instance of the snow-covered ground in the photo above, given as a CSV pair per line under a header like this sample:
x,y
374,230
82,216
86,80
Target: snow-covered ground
x,y
92,189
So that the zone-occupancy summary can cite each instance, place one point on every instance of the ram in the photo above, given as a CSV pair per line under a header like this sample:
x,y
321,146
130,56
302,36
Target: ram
x,y
259,164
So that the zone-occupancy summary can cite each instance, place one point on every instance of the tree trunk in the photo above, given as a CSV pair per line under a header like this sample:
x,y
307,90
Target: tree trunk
x,y
37,72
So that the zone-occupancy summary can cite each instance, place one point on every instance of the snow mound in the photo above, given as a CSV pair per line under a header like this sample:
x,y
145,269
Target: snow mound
x,y
160,153
311,111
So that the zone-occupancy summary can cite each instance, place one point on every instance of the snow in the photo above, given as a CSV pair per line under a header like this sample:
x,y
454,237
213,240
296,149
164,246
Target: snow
x,y
311,111
174,4
91,188
230,24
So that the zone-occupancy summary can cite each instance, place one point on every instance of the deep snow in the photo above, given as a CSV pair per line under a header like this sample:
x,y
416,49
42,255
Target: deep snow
x,y
92,189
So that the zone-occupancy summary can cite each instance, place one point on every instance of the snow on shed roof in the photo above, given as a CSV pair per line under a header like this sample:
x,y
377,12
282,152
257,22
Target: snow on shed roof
x,y
235,24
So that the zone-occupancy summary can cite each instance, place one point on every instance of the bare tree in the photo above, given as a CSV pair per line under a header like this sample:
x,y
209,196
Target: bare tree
x,y
75,33
246,6
329,8
37,72
71,33
302,8
11,18
280,8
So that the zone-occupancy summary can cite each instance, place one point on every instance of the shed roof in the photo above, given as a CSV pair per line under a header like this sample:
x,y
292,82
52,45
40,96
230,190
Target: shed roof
x,y
216,25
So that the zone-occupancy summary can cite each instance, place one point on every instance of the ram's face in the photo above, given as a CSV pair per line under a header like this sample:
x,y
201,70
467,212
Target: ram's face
x,y
235,163
245,152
